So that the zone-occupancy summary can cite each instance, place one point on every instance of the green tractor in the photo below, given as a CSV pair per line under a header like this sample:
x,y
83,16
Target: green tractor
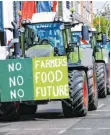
x,y
49,68
54,40
88,61
101,59
9,109
104,54
98,54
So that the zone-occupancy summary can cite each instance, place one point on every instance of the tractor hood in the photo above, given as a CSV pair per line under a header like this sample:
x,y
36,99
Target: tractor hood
x,y
40,51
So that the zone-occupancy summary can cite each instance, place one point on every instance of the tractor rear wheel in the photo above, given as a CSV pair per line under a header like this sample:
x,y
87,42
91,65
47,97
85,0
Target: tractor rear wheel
x,y
108,78
108,91
101,80
77,104
9,111
92,90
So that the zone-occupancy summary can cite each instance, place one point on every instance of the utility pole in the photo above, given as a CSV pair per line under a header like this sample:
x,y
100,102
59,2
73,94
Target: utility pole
x,y
100,21
99,15
107,16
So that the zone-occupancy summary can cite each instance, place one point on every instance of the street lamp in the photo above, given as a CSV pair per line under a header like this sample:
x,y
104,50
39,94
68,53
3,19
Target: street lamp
x,y
100,21
72,14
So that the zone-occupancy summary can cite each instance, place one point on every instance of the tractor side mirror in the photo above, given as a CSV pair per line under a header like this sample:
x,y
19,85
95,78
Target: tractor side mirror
x,y
104,39
3,38
85,32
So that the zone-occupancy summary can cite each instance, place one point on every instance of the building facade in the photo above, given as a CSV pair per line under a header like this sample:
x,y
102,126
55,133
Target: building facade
x,y
105,11
83,11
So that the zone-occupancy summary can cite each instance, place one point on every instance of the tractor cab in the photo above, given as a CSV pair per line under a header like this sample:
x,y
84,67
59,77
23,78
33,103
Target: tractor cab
x,y
47,38
41,39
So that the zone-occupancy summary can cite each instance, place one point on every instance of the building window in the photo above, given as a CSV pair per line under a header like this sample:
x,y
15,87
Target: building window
x,y
84,12
68,4
77,8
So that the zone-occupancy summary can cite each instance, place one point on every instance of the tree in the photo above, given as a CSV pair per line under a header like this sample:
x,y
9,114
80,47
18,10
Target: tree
x,y
104,25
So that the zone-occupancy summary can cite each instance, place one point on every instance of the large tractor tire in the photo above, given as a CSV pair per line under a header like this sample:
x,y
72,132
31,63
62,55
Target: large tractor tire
x,y
92,90
27,109
101,80
9,111
77,104
108,78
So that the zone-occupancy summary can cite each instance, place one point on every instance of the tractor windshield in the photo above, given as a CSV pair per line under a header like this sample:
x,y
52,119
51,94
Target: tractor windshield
x,y
76,37
45,31
106,46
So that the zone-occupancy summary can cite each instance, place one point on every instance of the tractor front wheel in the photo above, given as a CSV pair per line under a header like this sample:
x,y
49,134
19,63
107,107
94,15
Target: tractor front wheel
x,y
101,80
77,104
92,90
9,111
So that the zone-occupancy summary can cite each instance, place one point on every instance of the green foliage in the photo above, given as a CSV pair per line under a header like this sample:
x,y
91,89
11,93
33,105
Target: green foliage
x,y
104,25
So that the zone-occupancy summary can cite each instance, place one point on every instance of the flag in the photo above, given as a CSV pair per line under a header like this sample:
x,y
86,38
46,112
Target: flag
x,y
28,8
44,6
54,6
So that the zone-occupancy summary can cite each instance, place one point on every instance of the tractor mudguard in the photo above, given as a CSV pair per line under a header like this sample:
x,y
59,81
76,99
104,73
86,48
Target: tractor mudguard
x,y
77,67
99,61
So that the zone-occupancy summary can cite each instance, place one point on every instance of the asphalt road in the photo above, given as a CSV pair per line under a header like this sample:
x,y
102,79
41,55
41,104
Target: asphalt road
x,y
50,121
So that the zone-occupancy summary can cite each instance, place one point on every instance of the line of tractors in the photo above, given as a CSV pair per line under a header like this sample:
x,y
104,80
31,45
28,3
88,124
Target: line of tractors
x,y
87,65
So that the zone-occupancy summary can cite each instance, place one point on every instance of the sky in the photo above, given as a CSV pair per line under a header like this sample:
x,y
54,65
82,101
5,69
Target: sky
x,y
98,5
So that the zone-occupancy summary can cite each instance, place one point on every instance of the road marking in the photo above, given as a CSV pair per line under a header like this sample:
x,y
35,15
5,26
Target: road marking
x,y
102,110
29,129
70,125
9,129
81,128
32,129
101,106
62,131
103,128
55,129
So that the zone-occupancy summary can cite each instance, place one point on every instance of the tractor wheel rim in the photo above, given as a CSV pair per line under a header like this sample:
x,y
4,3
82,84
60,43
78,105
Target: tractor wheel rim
x,y
94,84
85,94
105,83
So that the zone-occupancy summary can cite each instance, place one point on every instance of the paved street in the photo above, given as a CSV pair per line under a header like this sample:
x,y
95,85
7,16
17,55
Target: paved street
x,y
50,121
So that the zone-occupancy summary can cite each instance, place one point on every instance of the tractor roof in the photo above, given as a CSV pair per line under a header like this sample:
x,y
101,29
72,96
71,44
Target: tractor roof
x,y
43,17
46,17
77,28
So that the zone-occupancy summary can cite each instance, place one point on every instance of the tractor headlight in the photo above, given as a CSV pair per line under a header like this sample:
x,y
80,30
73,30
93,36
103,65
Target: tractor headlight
x,y
24,21
61,19
28,21
22,30
56,19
